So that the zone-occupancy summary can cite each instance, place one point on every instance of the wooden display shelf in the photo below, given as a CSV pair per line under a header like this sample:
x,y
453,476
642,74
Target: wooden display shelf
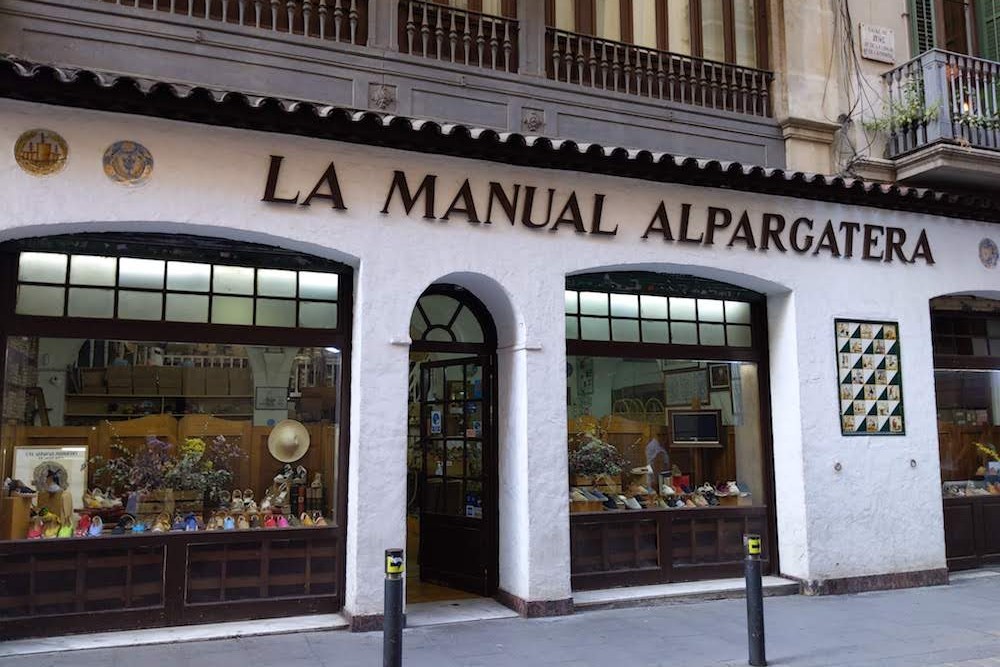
x,y
186,396
172,414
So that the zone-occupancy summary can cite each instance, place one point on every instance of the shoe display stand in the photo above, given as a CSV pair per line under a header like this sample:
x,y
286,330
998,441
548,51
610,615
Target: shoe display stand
x,y
15,513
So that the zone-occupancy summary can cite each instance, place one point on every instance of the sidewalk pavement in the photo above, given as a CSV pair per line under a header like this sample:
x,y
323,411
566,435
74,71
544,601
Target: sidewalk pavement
x,y
956,625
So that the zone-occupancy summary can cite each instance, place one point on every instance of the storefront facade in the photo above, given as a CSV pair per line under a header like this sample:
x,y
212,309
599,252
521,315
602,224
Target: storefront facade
x,y
841,512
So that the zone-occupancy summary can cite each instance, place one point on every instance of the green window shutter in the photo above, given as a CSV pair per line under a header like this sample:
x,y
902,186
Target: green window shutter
x,y
921,26
988,20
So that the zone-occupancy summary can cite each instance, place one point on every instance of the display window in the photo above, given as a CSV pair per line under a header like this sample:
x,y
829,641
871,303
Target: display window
x,y
668,429
967,387
125,437
662,432
173,430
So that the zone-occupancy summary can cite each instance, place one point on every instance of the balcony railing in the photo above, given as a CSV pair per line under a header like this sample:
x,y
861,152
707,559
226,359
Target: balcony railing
x,y
456,35
336,20
942,97
640,71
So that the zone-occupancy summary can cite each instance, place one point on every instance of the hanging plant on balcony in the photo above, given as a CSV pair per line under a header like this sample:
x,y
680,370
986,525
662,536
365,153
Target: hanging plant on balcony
x,y
908,112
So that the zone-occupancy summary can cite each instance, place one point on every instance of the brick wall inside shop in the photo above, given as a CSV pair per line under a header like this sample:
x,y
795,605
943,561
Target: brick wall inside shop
x,y
21,373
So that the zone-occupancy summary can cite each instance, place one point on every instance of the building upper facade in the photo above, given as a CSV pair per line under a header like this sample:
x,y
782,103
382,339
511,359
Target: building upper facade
x,y
906,90
688,77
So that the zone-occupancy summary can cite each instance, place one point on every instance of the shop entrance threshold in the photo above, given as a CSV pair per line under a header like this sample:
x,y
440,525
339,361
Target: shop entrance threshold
x,y
693,591
455,611
175,634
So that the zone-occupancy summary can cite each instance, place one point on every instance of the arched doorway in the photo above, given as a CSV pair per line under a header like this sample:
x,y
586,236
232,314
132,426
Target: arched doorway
x,y
452,519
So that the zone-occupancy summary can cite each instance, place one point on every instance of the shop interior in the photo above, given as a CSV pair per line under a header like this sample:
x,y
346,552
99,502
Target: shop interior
x,y
663,434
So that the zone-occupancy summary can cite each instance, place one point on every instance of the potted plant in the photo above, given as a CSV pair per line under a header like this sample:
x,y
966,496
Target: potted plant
x,y
906,113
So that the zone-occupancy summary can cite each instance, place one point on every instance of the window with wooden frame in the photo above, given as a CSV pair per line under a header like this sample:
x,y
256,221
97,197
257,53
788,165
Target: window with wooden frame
x,y
732,31
970,27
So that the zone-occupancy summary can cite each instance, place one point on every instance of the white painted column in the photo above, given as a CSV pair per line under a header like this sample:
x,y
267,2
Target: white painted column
x,y
534,511
786,408
376,506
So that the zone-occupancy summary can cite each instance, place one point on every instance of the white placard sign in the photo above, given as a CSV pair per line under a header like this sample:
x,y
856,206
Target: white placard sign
x,y
73,460
878,43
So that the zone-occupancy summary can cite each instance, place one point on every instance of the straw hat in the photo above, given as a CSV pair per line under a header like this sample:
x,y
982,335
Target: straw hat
x,y
289,441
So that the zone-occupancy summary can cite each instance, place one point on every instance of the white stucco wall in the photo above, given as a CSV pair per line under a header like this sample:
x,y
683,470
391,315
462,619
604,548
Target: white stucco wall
x,y
879,514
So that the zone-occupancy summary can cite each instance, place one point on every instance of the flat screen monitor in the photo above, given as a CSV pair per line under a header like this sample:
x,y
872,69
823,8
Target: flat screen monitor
x,y
695,428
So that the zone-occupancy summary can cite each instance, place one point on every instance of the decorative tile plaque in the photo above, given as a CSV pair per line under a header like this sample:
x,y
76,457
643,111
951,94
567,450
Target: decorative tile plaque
x,y
869,376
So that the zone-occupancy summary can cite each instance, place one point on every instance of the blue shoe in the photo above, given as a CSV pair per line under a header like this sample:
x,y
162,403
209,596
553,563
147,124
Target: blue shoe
x,y
228,523
190,523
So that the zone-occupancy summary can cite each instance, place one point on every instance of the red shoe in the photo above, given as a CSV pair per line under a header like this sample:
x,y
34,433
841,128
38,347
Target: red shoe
x,y
82,526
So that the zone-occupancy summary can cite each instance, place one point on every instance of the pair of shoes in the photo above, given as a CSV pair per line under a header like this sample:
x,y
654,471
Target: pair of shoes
x,y
318,519
191,522
632,503
237,503
254,520
178,524
282,521
15,487
82,526
269,521
50,525
306,519
667,490
125,525
577,495
228,523
35,528
162,523
249,504
96,527
242,523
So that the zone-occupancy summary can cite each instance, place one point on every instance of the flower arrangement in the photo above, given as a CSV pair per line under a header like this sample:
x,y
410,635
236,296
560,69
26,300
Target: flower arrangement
x,y
195,466
591,456
989,452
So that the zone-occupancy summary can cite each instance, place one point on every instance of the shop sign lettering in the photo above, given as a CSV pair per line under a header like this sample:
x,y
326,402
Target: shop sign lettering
x,y
552,210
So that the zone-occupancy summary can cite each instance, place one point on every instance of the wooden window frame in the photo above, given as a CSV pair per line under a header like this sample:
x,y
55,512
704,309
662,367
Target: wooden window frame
x,y
585,12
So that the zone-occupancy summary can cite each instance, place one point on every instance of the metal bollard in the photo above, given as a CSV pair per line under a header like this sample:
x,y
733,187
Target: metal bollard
x,y
392,623
755,601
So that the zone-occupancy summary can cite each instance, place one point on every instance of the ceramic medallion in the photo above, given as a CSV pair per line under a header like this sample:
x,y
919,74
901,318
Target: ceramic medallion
x,y
988,253
41,152
128,163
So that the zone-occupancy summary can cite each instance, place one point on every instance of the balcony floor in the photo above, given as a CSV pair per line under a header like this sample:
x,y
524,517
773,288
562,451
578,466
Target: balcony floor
x,y
950,166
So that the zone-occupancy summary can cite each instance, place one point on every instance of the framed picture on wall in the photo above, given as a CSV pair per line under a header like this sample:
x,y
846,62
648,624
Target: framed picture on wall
x,y
684,387
270,398
44,467
718,376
